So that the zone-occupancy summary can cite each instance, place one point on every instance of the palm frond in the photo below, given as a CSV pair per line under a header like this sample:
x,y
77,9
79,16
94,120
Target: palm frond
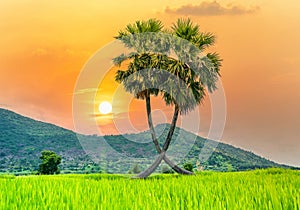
x,y
120,59
185,29
204,40
216,60
141,26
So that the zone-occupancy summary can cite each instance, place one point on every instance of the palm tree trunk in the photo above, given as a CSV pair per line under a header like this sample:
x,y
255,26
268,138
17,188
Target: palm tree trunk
x,y
155,141
150,123
168,141
152,168
172,128
162,155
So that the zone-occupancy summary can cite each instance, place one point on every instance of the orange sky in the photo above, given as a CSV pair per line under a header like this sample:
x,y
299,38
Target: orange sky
x,y
44,46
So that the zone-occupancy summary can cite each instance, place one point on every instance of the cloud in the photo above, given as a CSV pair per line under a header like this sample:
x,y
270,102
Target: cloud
x,y
85,91
211,9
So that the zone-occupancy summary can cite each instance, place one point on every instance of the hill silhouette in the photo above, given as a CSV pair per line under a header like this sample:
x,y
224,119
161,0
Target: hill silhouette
x,y
22,139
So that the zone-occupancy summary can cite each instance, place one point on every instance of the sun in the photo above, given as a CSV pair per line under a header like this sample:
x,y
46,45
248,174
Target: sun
x,y
105,107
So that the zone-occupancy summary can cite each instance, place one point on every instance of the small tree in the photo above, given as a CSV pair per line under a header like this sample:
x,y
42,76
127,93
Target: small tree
x,y
188,166
50,162
135,170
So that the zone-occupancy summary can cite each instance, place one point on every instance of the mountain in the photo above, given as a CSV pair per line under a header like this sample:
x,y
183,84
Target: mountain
x,y
22,139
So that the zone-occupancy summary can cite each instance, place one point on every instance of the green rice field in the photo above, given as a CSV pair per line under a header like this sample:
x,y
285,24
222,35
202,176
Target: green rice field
x,y
259,189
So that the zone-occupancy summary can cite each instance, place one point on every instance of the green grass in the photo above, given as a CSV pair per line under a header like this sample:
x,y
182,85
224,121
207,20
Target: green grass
x,y
261,189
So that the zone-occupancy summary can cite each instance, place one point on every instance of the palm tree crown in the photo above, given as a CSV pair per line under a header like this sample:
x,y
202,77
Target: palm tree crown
x,y
195,71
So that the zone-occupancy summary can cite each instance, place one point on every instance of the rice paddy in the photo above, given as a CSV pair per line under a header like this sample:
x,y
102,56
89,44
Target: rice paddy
x,y
259,189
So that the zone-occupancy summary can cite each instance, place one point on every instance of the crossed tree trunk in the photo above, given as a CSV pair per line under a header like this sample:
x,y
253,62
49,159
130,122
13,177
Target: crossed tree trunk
x,y
161,151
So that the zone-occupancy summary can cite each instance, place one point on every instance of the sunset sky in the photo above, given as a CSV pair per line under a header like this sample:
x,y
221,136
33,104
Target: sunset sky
x,y
45,44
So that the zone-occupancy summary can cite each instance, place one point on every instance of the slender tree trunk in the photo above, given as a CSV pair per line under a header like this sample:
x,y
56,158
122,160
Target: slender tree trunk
x,y
155,141
150,123
151,169
172,128
167,144
162,155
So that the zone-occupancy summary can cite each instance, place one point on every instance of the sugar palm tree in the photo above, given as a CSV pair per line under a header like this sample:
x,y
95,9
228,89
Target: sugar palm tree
x,y
141,60
191,73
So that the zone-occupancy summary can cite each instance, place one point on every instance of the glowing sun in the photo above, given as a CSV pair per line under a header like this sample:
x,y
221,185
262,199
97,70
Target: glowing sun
x,y
105,107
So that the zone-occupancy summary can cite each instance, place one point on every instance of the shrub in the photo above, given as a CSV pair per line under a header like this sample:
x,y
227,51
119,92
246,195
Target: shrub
x,y
188,166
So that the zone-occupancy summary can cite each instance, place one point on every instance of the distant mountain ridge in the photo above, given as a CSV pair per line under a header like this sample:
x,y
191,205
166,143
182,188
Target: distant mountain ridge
x,y
22,139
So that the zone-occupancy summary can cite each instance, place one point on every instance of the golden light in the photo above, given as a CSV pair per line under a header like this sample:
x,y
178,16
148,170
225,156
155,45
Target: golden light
x,y
105,107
